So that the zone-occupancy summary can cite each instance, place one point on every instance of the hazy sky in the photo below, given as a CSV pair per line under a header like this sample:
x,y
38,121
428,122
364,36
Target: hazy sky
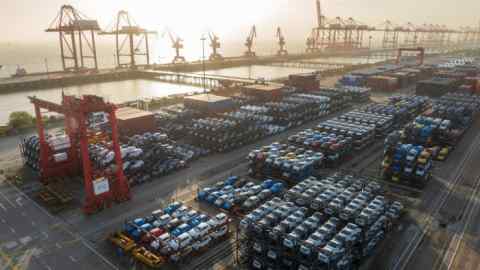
x,y
25,20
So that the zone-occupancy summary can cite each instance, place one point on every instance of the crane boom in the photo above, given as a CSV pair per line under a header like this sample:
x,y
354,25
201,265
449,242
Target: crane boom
x,y
319,14
249,42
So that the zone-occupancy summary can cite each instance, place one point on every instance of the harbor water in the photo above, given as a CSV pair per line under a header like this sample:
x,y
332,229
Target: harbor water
x,y
116,92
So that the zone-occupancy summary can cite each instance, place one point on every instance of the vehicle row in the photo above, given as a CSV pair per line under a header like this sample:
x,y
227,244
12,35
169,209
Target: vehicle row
x,y
239,196
170,235
284,234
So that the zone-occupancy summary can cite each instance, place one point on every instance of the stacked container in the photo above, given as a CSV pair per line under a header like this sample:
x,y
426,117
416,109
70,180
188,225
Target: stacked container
x,y
285,162
407,164
170,235
222,134
239,196
340,232
334,147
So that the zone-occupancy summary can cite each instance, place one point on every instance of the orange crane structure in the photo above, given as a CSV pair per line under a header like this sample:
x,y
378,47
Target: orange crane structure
x,y
249,42
136,37
77,39
215,45
281,43
177,44
102,187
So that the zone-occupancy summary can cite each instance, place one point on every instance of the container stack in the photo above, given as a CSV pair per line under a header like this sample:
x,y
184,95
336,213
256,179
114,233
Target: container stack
x,y
383,83
351,80
335,148
239,196
220,134
208,103
146,156
282,161
133,121
338,99
170,235
330,223
383,122
30,150
407,164
436,86
458,108
362,135
356,94
305,81
402,108
59,145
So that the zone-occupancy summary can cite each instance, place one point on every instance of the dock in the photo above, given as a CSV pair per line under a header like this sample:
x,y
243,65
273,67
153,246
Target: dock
x,y
171,73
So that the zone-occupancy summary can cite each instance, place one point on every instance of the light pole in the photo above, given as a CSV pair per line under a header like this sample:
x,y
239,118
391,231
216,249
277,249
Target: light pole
x,y
369,48
46,67
203,62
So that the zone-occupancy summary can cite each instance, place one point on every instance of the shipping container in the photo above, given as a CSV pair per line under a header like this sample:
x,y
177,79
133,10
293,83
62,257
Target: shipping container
x,y
209,103
170,235
288,234
133,121
436,87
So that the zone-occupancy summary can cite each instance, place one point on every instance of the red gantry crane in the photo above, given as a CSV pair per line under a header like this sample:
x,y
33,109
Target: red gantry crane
x,y
215,45
281,43
77,39
102,187
177,44
136,37
420,54
249,42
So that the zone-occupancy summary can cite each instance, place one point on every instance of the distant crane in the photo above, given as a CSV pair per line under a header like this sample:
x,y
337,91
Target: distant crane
x,y
215,45
281,43
177,44
249,42
125,25
70,24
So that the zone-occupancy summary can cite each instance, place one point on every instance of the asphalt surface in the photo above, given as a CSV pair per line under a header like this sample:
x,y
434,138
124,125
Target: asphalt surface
x,y
33,239
86,235
422,241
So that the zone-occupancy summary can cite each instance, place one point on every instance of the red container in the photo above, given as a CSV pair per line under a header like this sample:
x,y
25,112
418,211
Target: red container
x,y
133,121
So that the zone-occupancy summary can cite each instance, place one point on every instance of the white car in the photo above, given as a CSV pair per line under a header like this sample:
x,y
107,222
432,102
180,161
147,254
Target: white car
x,y
220,232
200,231
201,243
218,220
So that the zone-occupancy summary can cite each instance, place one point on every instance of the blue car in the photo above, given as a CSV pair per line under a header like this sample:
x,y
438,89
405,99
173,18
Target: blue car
x,y
181,229
172,207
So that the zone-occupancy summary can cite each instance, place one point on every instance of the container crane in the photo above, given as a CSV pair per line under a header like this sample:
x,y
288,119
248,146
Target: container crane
x,y
177,44
249,42
102,187
281,43
77,39
390,34
137,37
215,45
311,42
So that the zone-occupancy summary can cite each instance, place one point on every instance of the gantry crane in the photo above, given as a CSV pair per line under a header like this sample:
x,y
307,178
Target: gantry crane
x,y
215,45
177,44
77,39
281,43
313,41
137,37
249,42
411,35
102,187
420,54
390,34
